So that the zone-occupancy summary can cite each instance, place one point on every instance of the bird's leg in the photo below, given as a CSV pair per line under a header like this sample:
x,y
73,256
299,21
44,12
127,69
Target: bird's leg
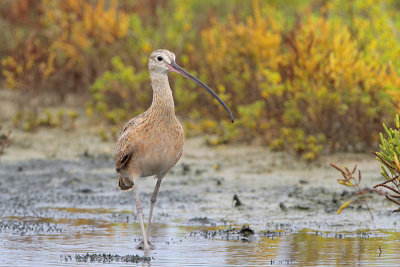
x,y
152,202
139,208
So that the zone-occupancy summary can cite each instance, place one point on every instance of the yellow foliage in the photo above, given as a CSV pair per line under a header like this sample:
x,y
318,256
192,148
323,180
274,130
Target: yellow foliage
x,y
313,79
343,206
345,182
64,39
28,70
325,78
225,46
83,26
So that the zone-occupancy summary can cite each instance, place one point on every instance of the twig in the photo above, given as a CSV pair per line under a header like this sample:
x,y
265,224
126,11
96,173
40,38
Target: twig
x,y
365,201
394,201
387,164
388,181
392,198
347,182
388,187
339,169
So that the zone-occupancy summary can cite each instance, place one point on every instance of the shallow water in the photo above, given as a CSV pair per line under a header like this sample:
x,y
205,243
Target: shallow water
x,y
178,245
70,207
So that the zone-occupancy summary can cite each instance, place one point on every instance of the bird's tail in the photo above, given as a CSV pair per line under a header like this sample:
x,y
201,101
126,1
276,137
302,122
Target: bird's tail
x,y
125,183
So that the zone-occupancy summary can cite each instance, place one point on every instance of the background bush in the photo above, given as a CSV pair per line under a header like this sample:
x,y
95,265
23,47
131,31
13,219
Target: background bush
x,y
299,75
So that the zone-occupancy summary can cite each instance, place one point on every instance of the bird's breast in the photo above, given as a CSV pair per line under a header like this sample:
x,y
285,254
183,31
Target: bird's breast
x,y
160,148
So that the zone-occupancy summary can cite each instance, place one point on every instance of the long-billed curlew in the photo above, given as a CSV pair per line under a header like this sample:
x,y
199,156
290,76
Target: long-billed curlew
x,y
152,143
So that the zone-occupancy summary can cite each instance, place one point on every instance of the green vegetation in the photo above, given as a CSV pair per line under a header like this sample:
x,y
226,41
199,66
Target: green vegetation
x,y
30,120
388,156
304,76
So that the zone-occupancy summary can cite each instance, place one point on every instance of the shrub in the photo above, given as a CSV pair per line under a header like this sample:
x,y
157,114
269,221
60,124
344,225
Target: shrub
x,y
62,44
388,156
119,92
314,85
330,88
240,58
374,24
322,80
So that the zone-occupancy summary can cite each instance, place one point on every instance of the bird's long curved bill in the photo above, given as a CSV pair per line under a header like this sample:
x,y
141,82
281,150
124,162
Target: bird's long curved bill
x,y
175,68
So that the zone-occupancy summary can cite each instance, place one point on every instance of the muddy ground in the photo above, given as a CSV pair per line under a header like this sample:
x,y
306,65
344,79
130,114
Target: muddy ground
x,y
44,178
52,176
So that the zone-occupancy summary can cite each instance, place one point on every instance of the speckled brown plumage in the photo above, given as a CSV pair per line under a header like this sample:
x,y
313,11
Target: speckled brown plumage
x,y
152,143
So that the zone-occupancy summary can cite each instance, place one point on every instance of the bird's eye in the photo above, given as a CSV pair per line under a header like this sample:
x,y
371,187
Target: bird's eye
x,y
159,58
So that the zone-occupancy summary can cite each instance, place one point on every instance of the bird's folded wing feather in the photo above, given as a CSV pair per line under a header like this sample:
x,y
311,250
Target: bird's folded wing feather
x,y
125,143
121,159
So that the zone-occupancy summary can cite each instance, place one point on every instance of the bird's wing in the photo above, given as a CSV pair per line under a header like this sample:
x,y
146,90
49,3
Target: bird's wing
x,y
126,143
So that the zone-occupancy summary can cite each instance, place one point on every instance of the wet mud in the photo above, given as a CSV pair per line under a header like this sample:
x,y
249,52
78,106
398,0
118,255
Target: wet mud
x,y
229,194
44,194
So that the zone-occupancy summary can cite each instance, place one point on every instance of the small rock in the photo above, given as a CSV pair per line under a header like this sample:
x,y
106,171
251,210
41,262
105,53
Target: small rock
x,y
85,190
282,206
246,231
301,207
236,201
198,171
185,168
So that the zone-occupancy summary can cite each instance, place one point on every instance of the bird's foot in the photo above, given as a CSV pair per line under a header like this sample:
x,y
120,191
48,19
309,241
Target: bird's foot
x,y
141,245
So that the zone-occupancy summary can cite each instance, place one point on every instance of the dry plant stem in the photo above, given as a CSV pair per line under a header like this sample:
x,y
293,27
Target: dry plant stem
x,y
365,201
395,182
388,181
388,187
395,201
361,193
348,176
387,164
339,169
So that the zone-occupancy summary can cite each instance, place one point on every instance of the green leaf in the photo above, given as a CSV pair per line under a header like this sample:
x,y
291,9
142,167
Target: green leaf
x,y
389,134
396,137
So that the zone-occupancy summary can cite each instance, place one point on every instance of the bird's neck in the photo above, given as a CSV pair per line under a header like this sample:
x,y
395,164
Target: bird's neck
x,y
163,102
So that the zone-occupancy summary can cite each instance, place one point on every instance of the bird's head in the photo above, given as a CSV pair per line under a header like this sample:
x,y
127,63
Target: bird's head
x,y
162,61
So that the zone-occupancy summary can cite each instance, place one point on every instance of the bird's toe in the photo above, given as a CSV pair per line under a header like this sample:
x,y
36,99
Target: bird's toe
x,y
140,246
